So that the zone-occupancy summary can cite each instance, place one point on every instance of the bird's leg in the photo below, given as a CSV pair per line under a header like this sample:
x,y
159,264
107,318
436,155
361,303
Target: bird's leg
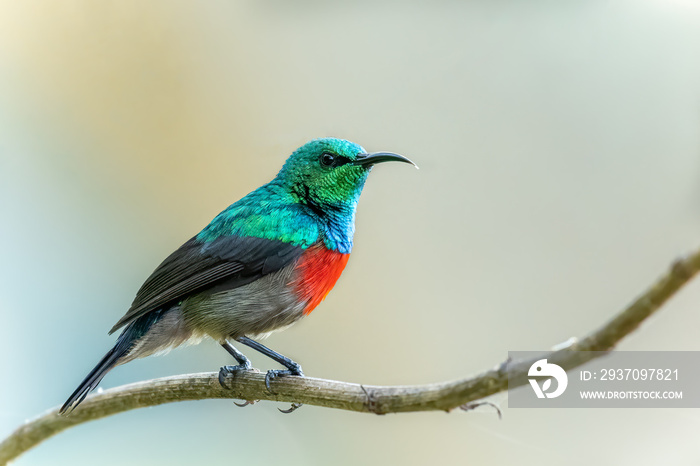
x,y
243,363
293,368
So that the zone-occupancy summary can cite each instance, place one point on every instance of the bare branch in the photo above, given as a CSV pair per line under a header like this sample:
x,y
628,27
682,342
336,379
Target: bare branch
x,y
353,397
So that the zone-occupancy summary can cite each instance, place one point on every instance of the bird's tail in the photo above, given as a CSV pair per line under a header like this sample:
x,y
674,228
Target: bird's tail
x,y
122,352
106,364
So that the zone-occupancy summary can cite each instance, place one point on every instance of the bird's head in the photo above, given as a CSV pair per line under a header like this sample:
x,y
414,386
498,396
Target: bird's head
x,y
328,174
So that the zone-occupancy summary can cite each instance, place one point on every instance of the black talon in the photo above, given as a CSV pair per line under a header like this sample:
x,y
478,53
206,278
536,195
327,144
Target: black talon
x,y
475,404
271,374
222,378
293,408
243,405
274,373
269,377
225,371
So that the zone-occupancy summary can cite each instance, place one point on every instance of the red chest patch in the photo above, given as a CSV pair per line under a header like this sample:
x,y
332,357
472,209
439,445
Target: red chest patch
x,y
317,271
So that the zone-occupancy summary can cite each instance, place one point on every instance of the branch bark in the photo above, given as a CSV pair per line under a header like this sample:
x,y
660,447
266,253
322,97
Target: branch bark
x,y
349,396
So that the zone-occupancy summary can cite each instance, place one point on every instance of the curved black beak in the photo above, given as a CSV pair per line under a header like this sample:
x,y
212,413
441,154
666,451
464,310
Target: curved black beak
x,y
367,160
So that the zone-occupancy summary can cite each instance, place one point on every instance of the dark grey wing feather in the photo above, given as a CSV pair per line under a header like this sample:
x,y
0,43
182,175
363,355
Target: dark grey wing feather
x,y
197,266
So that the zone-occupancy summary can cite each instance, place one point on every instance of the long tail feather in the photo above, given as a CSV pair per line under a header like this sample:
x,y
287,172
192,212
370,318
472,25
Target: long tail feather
x,y
93,378
126,343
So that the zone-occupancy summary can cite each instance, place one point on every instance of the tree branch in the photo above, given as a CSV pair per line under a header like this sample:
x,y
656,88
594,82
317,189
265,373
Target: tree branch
x,y
352,397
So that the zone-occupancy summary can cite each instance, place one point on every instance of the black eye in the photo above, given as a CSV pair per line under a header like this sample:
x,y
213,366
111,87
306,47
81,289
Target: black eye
x,y
327,159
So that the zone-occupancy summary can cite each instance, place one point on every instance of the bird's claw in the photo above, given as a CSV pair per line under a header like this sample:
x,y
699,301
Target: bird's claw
x,y
225,371
247,402
292,408
475,404
274,373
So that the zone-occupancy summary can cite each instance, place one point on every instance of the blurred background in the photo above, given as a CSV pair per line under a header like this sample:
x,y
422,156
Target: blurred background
x,y
559,154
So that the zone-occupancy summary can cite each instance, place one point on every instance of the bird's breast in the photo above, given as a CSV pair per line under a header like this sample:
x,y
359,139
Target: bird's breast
x,y
316,272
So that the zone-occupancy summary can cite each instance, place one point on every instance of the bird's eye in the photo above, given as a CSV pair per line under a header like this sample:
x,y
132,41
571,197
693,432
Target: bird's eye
x,y
327,159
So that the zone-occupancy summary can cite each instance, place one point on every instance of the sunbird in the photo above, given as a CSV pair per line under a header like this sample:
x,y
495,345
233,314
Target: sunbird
x,y
262,264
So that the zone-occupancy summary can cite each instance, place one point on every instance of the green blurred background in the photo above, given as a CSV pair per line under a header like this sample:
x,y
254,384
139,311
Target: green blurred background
x,y
559,146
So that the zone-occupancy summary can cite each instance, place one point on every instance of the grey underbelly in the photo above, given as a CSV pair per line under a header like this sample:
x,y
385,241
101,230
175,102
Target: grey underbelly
x,y
258,308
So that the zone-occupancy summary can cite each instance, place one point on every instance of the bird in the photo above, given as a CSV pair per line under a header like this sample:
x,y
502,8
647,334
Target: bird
x,y
258,267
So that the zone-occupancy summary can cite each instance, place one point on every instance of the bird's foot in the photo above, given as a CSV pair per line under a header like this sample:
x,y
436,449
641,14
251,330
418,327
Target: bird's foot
x,y
274,373
225,371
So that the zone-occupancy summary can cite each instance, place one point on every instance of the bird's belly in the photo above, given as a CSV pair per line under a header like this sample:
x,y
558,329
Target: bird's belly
x,y
255,309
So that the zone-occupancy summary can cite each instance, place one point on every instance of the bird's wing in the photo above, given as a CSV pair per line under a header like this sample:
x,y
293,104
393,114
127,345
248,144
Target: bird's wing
x,y
196,266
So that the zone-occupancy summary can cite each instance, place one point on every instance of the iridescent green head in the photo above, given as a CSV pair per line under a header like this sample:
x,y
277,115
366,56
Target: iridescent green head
x,y
328,174
324,178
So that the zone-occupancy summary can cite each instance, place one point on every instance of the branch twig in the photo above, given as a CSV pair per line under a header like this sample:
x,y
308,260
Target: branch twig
x,y
353,397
